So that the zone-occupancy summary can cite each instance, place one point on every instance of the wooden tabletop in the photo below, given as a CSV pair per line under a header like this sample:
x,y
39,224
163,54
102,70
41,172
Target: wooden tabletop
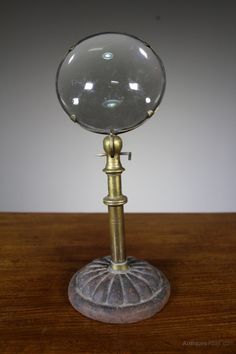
x,y
39,253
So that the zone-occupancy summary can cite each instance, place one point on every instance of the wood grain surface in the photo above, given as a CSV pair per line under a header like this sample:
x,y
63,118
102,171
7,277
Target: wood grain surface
x,y
39,253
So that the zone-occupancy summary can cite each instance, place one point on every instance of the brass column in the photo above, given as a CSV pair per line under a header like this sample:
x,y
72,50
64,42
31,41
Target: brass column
x,y
115,200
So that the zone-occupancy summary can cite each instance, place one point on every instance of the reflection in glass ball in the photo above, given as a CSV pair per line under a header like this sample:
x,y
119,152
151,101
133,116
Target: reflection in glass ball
x,y
110,82
111,103
107,56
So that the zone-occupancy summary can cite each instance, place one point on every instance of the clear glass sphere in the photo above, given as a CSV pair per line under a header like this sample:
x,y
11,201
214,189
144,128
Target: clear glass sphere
x,y
110,82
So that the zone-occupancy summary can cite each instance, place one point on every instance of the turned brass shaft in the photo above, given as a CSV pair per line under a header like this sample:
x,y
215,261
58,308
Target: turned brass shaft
x,y
115,200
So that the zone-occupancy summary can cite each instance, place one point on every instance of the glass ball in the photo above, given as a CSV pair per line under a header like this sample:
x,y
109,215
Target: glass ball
x,y
110,82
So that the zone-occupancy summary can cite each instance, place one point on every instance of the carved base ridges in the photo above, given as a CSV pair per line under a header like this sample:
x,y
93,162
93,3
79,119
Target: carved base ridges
x,y
106,295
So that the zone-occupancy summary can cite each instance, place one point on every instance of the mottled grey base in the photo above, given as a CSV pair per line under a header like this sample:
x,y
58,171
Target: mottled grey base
x,y
111,296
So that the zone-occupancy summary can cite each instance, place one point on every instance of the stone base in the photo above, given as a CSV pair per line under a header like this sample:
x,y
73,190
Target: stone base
x,y
103,294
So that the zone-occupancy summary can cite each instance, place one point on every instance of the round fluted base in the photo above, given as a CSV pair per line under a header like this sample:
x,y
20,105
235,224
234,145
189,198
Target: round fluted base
x,y
103,294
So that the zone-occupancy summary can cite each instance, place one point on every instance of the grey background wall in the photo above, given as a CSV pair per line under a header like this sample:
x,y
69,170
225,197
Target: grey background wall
x,y
183,158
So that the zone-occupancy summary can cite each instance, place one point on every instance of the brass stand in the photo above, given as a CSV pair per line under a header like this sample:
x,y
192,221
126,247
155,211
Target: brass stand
x,y
115,200
117,289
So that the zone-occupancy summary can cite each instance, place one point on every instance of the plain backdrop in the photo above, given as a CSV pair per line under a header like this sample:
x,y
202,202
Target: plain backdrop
x,y
183,157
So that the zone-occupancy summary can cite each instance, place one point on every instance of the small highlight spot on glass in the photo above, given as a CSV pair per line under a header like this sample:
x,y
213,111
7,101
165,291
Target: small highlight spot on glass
x,y
143,52
107,55
134,86
75,101
88,86
71,58
112,103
